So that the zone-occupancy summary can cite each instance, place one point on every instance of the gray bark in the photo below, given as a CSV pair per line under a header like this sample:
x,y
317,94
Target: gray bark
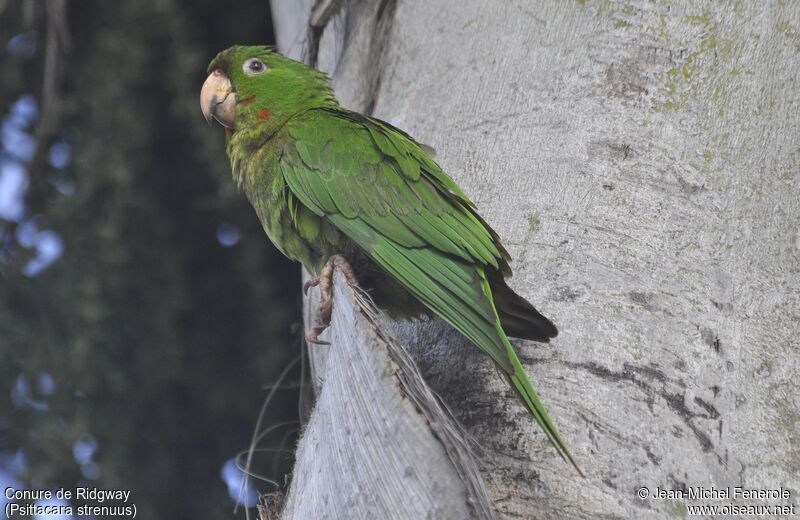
x,y
377,426
640,161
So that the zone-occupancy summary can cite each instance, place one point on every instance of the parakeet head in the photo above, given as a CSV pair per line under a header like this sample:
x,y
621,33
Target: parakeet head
x,y
253,85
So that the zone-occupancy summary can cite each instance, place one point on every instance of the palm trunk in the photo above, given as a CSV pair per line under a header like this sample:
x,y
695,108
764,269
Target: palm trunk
x,y
640,161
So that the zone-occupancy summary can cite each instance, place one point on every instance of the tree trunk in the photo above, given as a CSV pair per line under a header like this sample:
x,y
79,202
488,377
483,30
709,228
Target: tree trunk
x,y
639,160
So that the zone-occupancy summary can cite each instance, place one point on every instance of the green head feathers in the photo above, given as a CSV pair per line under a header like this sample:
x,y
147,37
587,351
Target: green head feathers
x,y
252,87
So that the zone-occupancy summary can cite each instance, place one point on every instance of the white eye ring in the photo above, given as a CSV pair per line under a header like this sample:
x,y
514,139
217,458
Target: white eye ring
x,y
254,67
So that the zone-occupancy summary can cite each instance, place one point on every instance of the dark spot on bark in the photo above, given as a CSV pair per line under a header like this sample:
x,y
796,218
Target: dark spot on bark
x,y
629,373
640,298
715,389
675,401
722,306
608,187
652,372
564,293
608,149
687,187
677,483
643,299
710,339
621,149
652,456
608,483
712,411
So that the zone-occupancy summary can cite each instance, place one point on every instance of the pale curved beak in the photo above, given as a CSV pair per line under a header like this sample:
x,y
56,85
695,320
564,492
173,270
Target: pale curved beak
x,y
218,100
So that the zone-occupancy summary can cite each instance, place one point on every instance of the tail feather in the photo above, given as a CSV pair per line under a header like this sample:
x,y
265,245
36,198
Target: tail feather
x,y
522,385
519,318
520,382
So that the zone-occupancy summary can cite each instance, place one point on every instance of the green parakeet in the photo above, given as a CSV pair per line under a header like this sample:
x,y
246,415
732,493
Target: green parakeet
x,y
326,181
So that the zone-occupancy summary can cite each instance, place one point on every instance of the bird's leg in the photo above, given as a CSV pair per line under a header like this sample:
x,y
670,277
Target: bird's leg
x,y
325,283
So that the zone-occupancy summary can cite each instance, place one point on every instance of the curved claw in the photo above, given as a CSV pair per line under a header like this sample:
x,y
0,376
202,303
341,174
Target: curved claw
x,y
309,284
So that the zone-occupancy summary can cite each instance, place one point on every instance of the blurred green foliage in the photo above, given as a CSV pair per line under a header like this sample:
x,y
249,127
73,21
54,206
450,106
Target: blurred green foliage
x,y
159,340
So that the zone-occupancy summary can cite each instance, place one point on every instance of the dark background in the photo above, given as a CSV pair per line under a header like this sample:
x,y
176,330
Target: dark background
x,y
143,312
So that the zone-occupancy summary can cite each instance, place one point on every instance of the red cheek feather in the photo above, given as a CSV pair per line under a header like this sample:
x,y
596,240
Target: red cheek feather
x,y
264,114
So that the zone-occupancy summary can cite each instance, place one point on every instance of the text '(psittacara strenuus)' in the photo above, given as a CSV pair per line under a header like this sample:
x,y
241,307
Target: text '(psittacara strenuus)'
x,y
335,188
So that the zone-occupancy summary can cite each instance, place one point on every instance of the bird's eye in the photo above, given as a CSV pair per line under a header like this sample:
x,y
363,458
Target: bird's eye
x,y
254,66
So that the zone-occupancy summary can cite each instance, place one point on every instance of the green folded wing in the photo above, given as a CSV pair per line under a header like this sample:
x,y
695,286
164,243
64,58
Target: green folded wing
x,y
379,188
375,185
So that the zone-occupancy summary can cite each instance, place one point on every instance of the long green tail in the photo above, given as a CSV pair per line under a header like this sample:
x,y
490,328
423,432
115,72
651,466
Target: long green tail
x,y
520,382
449,288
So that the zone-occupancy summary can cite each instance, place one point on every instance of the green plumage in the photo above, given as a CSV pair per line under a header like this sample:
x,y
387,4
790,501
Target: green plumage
x,y
324,181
